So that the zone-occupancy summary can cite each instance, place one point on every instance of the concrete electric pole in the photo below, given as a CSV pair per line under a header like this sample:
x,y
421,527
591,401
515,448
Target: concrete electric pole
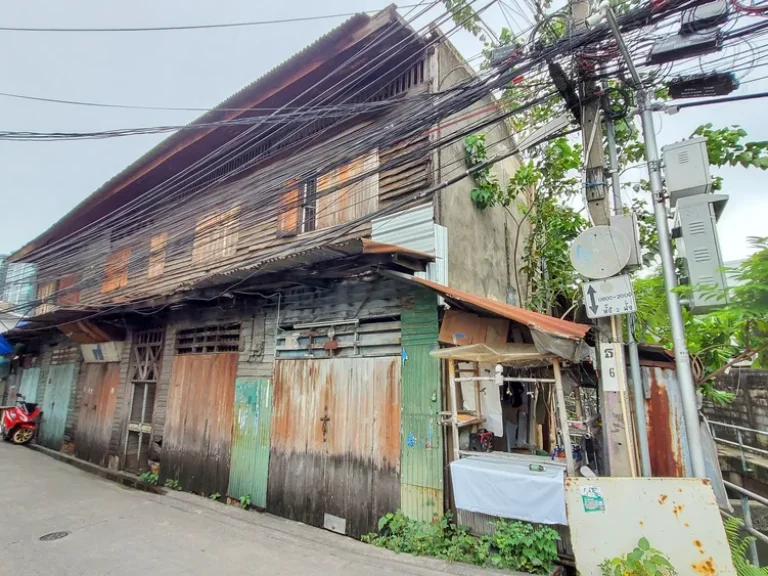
x,y
617,438
682,359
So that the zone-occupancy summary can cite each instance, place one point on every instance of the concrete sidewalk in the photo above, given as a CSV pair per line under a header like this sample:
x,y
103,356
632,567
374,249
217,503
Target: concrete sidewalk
x,y
117,530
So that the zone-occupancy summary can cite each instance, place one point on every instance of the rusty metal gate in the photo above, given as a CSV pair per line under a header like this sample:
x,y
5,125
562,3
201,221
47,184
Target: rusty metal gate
x,y
144,373
335,446
100,383
198,426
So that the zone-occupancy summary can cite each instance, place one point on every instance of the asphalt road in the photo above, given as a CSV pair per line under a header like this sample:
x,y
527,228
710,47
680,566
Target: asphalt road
x,y
116,530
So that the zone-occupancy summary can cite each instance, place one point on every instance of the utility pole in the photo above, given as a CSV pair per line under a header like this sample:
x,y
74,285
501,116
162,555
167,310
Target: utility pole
x,y
682,359
617,442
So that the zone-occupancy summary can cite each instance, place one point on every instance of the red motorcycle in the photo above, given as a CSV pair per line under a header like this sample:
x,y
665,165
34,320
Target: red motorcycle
x,y
19,423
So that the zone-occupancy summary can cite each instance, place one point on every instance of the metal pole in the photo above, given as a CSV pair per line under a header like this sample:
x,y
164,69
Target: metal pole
x,y
746,514
639,399
634,356
613,156
682,359
562,416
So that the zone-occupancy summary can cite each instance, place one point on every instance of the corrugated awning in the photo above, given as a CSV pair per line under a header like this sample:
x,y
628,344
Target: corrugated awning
x,y
535,321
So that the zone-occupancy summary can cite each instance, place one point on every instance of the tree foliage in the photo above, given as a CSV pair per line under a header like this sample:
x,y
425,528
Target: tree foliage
x,y
543,189
737,331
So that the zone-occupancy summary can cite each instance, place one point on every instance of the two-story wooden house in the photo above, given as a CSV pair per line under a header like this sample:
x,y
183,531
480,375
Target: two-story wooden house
x,y
225,306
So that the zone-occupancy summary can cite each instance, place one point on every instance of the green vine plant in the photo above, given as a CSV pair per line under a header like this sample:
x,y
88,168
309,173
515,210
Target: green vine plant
x,y
739,545
513,546
550,185
245,501
642,561
149,478
173,484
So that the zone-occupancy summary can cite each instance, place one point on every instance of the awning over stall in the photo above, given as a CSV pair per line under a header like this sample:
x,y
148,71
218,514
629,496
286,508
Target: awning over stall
x,y
551,335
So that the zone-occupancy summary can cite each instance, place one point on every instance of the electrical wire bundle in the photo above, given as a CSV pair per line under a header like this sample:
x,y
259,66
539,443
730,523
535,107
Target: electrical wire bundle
x,y
258,197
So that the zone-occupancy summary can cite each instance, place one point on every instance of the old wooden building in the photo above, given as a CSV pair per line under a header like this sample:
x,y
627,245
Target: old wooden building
x,y
232,306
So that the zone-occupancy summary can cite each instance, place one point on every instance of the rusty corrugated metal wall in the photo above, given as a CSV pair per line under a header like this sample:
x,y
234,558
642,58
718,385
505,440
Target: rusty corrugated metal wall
x,y
335,446
421,467
198,424
249,466
667,439
99,389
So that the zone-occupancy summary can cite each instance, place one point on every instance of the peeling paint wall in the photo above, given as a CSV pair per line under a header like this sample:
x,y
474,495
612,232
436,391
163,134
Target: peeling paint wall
x,y
481,243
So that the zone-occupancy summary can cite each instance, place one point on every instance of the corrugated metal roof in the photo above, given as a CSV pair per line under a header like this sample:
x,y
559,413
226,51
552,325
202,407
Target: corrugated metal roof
x,y
310,57
534,320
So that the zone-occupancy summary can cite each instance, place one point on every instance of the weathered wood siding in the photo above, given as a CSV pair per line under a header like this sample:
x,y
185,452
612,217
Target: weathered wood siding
x,y
219,230
335,446
198,427
100,384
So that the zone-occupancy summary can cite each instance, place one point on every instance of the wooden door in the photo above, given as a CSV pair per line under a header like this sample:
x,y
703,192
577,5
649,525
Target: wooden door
x,y
335,445
198,426
249,466
58,390
30,378
100,383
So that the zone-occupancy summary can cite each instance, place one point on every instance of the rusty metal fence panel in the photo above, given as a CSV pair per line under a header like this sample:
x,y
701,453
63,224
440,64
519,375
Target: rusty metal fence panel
x,y
335,445
198,427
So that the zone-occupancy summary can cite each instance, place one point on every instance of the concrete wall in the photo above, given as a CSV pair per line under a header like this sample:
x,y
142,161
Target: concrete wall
x,y
480,242
749,408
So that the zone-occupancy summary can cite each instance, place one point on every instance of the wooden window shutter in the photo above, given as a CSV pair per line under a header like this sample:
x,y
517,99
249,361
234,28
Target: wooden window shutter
x,y
68,296
288,215
45,291
156,265
116,270
350,202
216,236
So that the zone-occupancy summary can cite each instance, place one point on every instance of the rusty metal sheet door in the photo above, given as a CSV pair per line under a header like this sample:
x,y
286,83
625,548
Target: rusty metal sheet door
x,y
678,516
58,389
250,440
198,426
100,383
335,446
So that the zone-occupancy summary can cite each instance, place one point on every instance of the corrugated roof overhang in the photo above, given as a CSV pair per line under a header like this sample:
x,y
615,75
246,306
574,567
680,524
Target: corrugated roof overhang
x,y
119,189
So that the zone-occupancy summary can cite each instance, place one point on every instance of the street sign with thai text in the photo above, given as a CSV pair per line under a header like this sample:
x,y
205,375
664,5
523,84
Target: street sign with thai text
x,y
609,297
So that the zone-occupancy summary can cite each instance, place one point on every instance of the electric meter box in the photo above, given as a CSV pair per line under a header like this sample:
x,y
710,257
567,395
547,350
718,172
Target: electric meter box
x,y
686,169
627,225
698,247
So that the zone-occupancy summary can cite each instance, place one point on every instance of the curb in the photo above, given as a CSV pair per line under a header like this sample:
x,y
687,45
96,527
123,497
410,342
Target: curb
x,y
121,478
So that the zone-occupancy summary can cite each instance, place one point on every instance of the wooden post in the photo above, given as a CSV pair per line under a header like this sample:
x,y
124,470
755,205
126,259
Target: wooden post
x,y
563,418
454,411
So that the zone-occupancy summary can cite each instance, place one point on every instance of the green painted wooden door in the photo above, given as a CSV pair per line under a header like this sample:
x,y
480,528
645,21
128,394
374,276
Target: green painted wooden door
x,y
421,465
250,440
58,390
29,380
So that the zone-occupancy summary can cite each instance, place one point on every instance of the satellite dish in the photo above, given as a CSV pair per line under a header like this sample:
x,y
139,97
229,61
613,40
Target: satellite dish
x,y
600,252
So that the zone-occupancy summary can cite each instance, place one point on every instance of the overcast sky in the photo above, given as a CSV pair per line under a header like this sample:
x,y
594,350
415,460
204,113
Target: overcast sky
x,y
40,182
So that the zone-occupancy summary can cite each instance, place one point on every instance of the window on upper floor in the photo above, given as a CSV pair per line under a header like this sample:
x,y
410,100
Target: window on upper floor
x,y
116,270
46,294
216,236
68,291
156,263
324,202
